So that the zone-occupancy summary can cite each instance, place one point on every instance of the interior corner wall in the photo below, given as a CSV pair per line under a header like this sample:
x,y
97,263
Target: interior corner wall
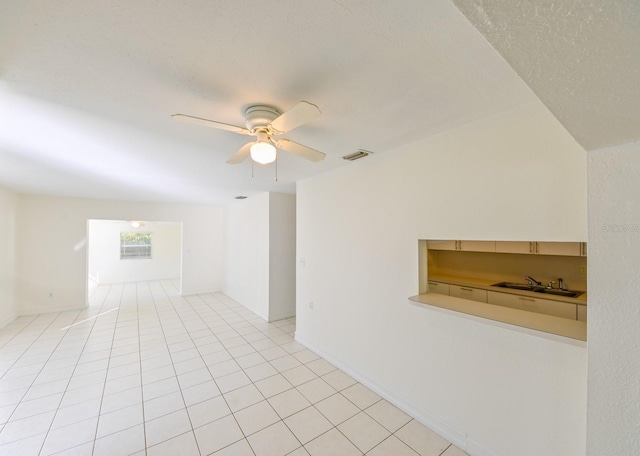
x,y
105,265
282,256
490,388
260,256
8,210
614,314
51,255
247,254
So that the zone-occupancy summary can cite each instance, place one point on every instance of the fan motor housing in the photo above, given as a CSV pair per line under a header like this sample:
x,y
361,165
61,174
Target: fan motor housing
x,y
260,116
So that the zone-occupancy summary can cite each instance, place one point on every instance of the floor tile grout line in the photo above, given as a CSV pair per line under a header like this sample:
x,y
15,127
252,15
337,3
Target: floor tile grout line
x,y
186,302
33,319
70,377
266,400
144,427
33,342
446,449
203,316
263,398
175,373
237,315
212,377
93,324
361,410
43,365
106,374
333,426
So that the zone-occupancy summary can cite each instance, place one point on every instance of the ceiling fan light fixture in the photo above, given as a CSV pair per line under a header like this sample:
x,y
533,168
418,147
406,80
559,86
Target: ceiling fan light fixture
x,y
263,152
264,122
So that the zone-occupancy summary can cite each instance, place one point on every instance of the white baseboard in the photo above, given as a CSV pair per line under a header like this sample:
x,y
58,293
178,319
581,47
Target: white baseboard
x,y
281,316
7,319
43,310
198,292
456,436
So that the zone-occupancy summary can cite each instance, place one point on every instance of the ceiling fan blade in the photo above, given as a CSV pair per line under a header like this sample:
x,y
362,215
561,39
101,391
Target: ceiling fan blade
x,y
301,113
300,150
210,123
241,154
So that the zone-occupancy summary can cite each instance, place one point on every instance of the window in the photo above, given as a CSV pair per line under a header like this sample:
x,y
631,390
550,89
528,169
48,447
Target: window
x,y
135,245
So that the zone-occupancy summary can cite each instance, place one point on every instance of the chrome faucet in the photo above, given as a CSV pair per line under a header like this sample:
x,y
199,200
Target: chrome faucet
x,y
531,281
560,283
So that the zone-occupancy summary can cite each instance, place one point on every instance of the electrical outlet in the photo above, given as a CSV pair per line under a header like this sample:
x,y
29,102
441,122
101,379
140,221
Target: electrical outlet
x,y
311,305
583,269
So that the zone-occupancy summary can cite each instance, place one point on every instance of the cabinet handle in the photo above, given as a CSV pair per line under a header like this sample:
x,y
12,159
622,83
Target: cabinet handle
x,y
537,247
433,284
466,289
530,247
458,245
527,299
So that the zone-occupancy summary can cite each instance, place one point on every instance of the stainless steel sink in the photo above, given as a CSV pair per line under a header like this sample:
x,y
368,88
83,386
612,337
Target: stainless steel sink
x,y
556,292
538,289
514,286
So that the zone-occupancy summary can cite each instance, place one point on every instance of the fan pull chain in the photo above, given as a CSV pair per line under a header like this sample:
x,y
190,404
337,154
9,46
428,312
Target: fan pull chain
x,y
251,168
276,167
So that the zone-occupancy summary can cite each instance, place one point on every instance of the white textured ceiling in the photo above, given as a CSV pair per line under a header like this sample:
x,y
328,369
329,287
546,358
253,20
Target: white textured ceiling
x,y
580,57
87,88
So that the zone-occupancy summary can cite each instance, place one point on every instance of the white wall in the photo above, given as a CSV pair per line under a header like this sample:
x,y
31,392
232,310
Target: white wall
x,y
105,265
282,256
491,388
260,266
247,254
8,209
614,310
51,265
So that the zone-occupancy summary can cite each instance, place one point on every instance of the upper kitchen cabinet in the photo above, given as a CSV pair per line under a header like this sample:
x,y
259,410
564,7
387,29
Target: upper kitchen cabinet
x,y
442,245
515,247
559,248
464,246
542,248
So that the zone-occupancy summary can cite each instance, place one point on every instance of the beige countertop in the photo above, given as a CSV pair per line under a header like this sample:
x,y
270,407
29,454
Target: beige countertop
x,y
546,323
486,285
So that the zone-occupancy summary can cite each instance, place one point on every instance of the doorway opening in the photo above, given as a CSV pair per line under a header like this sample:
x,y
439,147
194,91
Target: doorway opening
x,y
126,251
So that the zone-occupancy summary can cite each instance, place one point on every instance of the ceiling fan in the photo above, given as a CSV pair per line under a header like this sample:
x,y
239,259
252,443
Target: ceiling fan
x,y
265,123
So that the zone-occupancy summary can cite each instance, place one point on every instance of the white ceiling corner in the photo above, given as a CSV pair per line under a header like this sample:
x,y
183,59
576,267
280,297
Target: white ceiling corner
x,y
580,57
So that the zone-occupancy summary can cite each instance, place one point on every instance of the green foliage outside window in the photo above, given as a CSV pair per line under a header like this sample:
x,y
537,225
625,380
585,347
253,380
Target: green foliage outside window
x,y
135,245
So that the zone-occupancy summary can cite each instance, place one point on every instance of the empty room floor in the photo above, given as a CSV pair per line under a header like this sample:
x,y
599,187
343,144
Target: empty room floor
x,y
144,371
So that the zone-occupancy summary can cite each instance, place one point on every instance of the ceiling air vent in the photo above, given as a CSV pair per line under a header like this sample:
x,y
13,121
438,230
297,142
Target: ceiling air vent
x,y
357,155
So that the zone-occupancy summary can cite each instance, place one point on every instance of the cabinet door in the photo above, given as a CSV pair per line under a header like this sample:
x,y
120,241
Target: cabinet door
x,y
515,247
582,313
583,249
442,245
477,246
473,294
438,287
559,248
544,306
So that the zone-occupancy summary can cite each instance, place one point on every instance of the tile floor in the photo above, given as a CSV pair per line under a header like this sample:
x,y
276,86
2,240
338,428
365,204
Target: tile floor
x,y
144,371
